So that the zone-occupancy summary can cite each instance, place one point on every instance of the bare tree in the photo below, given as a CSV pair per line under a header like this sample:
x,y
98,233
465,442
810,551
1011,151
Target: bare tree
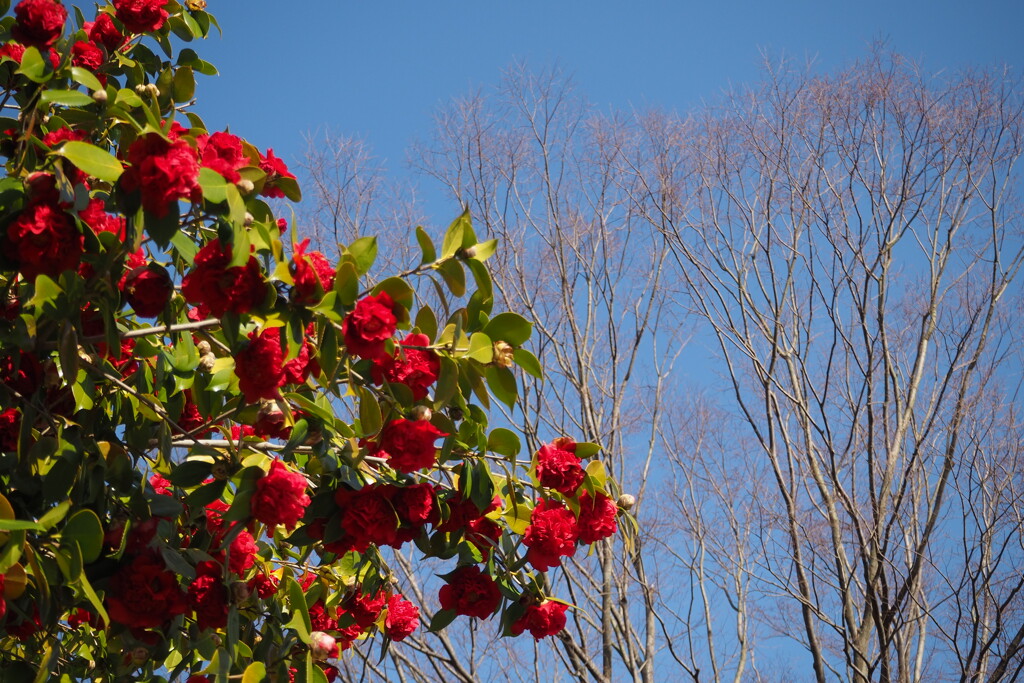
x,y
854,243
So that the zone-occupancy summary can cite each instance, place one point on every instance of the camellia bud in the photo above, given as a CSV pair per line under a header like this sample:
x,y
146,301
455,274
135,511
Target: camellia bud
x,y
468,252
422,413
503,354
99,96
203,347
249,218
245,186
195,5
140,655
220,471
626,501
240,592
321,646
207,361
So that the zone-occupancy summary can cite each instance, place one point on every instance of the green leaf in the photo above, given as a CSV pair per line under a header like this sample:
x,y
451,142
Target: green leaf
x,y
184,84
369,413
46,291
399,291
19,524
33,66
586,449
447,382
86,78
528,362
94,599
481,349
186,246
85,529
454,276
346,283
69,559
364,252
68,98
190,473
504,441
213,184
426,246
254,673
484,250
510,328
426,321
54,516
442,618
92,160
595,469
459,235
298,608
502,384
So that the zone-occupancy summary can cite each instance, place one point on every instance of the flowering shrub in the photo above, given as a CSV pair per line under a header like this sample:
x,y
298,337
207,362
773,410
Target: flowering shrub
x,y
208,431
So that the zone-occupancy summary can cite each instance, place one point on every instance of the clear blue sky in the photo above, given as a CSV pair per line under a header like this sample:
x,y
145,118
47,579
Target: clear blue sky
x,y
379,69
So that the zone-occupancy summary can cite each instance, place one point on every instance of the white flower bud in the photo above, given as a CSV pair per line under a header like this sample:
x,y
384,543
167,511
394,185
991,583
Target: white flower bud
x,y
249,218
321,646
421,413
626,501
245,186
99,96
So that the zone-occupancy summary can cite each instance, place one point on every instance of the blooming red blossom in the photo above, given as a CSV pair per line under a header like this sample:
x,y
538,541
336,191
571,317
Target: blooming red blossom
x,y
280,496
367,516
415,368
15,52
545,619
10,428
44,240
222,152
471,592
402,618
558,467
312,274
415,504
552,534
144,593
104,32
148,289
259,366
275,169
217,288
371,322
597,517
409,444
39,23
163,171
140,16
208,596
161,485
96,217
86,55
242,553
263,585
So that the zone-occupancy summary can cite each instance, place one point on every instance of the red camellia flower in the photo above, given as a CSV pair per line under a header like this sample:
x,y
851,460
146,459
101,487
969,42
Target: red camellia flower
x,y
10,428
163,171
597,517
141,16
44,239
552,533
275,169
371,322
312,274
415,504
242,553
222,152
86,55
208,596
39,22
96,217
162,486
144,594
259,366
415,368
471,592
104,32
280,497
148,289
367,516
409,444
402,618
545,619
217,288
558,467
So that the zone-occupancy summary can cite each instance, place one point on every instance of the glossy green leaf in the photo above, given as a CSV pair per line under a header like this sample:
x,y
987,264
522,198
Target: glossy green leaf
x,y
67,98
84,528
298,608
484,250
441,619
502,384
33,66
426,246
426,321
528,362
92,160
454,276
364,253
510,328
369,413
585,449
504,441
399,291
254,673
213,184
481,348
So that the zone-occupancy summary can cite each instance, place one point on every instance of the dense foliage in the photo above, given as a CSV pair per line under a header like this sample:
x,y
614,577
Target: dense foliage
x,y
208,430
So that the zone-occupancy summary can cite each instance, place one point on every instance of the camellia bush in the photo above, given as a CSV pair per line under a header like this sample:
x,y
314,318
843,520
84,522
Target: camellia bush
x,y
209,432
